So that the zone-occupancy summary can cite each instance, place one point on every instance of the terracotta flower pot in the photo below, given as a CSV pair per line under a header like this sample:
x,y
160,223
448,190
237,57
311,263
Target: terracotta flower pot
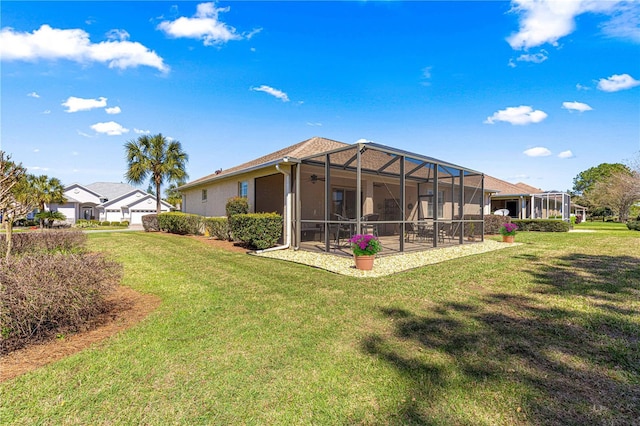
x,y
364,263
508,238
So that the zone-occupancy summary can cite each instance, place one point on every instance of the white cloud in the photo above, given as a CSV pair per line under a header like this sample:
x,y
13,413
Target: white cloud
x,y
536,58
426,76
113,110
625,23
74,104
617,82
74,45
314,124
84,134
520,115
576,106
33,95
36,150
538,151
566,154
141,132
120,35
547,21
110,128
273,92
44,169
46,111
204,25
581,87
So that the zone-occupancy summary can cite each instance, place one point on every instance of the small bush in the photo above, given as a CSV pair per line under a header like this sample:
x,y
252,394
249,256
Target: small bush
x,y
44,241
634,225
150,223
259,230
542,225
115,224
105,223
46,294
237,205
180,223
218,227
83,224
124,223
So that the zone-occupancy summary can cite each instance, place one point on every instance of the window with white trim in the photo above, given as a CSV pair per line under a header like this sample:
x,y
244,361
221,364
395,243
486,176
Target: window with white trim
x,y
243,189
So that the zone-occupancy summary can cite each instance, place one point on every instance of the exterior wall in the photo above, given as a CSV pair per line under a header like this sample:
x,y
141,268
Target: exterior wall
x,y
68,210
218,192
81,195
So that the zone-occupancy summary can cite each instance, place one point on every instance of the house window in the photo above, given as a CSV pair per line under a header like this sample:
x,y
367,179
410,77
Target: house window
x,y
243,189
204,195
440,204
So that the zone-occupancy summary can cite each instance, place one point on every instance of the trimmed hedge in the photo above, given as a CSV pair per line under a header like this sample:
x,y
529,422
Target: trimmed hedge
x,y
542,225
493,222
180,223
259,230
634,225
218,227
237,205
150,223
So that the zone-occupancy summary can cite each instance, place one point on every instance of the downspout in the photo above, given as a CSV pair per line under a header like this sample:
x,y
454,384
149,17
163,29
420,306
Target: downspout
x,y
288,215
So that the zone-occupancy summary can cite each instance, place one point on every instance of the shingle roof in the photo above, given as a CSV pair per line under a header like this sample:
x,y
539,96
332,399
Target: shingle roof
x,y
505,188
315,145
110,190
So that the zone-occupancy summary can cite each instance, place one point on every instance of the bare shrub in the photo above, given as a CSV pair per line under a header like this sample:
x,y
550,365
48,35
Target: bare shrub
x,y
45,241
49,293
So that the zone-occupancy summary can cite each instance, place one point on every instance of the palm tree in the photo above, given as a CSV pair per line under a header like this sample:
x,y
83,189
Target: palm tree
x,y
158,158
46,191
172,195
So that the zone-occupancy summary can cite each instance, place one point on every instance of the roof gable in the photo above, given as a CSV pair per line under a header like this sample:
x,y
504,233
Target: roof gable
x,y
110,190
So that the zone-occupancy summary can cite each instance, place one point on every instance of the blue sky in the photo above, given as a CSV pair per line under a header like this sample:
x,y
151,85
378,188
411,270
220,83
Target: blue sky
x,y
526,91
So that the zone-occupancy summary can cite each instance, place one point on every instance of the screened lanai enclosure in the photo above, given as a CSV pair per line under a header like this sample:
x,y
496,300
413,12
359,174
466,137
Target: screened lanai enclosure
x,y
409,201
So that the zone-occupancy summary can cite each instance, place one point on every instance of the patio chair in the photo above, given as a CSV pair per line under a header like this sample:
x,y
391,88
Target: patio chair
x,y
370,227
342,229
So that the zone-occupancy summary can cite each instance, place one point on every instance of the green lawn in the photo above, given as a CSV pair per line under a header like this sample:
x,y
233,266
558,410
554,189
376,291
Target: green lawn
x,y
541,333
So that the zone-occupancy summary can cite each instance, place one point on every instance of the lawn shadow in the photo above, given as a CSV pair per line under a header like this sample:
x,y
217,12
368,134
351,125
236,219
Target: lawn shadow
x,y
577,366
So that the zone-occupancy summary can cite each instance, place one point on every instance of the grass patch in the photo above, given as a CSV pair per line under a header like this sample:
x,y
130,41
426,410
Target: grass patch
x,y
543,333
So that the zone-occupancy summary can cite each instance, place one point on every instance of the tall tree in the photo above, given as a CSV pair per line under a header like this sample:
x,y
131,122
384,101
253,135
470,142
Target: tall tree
x,y
46,191
157,158
585,180
619,192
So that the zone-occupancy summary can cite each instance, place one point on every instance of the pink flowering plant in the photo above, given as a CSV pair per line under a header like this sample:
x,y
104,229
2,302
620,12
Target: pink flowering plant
x,y
365,245
508,229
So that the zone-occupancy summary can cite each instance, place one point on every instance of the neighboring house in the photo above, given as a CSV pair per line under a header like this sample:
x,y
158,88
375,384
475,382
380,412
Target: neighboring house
x,y
107,201
327,190
527,202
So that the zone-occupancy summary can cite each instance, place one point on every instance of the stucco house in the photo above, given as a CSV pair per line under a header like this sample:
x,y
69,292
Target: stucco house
x,y
107,201
527,202
327,190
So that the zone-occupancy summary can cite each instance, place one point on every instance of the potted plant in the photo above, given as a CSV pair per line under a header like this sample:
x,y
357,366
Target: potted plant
x,y
508,232
364,248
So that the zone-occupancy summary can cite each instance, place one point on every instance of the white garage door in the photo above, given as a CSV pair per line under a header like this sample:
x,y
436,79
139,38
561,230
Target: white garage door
x,y
136,216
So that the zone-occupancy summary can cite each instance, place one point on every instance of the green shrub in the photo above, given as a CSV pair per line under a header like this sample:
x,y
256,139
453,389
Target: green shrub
x,y
124,223
634,225
237,205
542,225
46,294
115,224
218,227
259,230
150,223
105,223
83,224
180,223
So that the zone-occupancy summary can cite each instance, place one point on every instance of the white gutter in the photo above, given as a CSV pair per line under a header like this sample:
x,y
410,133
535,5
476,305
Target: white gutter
x,y
288,215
